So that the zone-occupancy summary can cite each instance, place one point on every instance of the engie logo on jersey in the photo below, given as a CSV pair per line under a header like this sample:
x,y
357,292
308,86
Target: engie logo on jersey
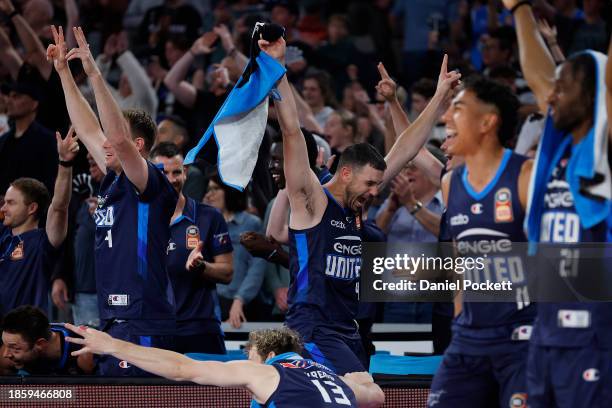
x,y
345,263
118,300
503,205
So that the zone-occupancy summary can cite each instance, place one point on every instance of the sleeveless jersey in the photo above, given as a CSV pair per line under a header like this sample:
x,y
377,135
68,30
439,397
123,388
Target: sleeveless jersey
x,y
579,323
306,384
325,262
485,224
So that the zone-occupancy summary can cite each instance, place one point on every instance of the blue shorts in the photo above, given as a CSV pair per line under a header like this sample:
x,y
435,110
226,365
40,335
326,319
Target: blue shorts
x,y
209,343
481,381
569,377
109,366
339,352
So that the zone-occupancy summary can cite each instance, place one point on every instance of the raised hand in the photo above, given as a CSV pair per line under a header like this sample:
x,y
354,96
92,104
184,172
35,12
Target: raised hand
x,y
203,45
59,294
402,189
447,83
386,86
509,4
67,147
91,340
6,6
274,49
122,43
56,52
226,37
83,53
548,32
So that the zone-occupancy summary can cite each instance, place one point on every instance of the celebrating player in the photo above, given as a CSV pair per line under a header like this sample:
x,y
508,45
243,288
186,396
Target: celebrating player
x,y
135,205
275,374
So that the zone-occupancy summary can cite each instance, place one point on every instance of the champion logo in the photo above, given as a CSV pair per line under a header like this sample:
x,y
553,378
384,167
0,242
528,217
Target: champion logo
x,y
591,375
476,208
124,364
518,400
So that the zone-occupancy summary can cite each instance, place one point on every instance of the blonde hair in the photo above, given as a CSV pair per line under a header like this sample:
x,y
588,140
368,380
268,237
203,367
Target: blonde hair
x,y
279,341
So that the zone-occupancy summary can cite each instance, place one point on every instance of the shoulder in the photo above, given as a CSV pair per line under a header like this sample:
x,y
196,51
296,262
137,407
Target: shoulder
x,y
251,220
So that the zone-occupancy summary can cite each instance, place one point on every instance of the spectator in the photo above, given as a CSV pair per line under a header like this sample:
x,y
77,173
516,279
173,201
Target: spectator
x,y
39,348
497,48
28,252
238,299
341,131
27,149
85,306
135,90
319,96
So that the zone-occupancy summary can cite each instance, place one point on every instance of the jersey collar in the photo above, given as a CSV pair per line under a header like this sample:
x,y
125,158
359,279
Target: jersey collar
x,y
285,356
189,211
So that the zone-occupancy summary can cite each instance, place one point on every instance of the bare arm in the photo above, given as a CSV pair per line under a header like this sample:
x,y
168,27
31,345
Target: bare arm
x,y
228,45
550,36
9,57
445,188
429,220
367,392
537,64
72,20
114,124
220,270
384,216
139,81
175,81
82,116
412,139
609,90
307,118
278,227
57,215
34,48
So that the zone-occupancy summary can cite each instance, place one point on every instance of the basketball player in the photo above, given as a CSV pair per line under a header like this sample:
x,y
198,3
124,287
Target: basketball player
x,y
325,227
484,365
274,374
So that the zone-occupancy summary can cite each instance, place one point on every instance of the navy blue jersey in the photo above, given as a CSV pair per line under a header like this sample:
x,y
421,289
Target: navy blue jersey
x,y
570,324
308,384
196,298
26,264
132,235
490,221
324,262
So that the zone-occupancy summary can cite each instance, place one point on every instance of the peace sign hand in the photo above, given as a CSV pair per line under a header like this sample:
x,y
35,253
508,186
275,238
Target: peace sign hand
x,y
82,52
68,147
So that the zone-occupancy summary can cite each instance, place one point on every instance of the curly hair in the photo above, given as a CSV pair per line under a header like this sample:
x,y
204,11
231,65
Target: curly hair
x,y
283,340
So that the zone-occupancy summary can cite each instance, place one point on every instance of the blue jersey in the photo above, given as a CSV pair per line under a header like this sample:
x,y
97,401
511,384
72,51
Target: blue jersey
x,y
66,364
132,234
490,221
324,262
196,298
308,384
570,324
26,264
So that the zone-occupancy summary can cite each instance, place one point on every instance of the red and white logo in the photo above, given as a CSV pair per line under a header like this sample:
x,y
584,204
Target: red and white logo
x,y
124,364
518,400
591,375
476,208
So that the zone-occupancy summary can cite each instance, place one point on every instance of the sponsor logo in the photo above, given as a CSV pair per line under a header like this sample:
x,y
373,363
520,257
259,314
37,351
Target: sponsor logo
x,y
503,205
192,237
559,199
591,375
518,400
17,253
104,217
221,239
484,246
118,300
347,249
459,219
337,224
171,247
124,364
476,208
433,398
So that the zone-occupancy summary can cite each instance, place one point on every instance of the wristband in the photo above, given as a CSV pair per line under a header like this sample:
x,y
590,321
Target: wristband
x,y
13,14
271,255
231,52
66,163
519,4
417,206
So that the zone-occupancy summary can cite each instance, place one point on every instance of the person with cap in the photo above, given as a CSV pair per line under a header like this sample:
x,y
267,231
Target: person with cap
x,y
27,149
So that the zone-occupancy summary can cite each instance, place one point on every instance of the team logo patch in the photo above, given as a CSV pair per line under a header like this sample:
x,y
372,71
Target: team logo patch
x,y
476,208
518,400
192,237
118,300
591,375
17,253
124,364
222,239
503,205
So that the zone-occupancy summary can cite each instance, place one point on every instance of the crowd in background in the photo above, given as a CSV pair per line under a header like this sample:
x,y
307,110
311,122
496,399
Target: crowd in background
x,y
178,59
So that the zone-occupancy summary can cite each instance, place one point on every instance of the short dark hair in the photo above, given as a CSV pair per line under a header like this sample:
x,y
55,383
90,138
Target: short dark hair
x,y
33,192
583,68
279,341
28,321
506,37
324,80
360,155
142,126
425,87
165,149
235,201
504,100
180,41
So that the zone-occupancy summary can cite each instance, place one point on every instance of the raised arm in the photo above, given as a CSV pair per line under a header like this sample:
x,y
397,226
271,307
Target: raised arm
x,y
227,42
34,48
115,126
278,227
9,57
412,139
177,367
139,81
306,196
307,118
184,91
57,215
609,90
83,118
537,64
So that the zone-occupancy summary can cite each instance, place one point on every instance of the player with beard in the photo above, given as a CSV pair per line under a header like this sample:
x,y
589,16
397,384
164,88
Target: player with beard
x,y
484,365
570,203
325,225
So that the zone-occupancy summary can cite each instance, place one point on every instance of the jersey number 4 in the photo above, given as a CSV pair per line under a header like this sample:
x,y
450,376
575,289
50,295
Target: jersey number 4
x,y
109,238
335,389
